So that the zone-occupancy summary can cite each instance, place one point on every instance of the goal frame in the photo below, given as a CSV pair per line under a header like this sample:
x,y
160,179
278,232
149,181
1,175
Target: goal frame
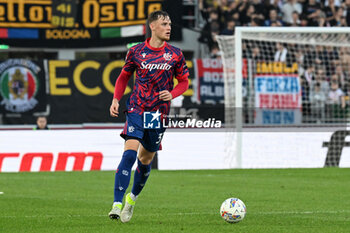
x,y
238,37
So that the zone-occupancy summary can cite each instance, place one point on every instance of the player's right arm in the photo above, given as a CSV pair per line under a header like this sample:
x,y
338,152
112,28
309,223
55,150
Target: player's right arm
x,y
121,83
120,86
113,110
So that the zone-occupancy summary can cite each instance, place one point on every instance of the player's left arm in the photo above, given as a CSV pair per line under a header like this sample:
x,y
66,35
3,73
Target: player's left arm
x,y
181,74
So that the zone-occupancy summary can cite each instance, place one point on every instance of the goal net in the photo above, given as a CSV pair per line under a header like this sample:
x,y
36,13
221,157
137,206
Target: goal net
x,y
285,77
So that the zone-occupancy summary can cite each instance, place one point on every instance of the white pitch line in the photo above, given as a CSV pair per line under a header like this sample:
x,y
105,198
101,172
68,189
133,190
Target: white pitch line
x,y
184,214
304,212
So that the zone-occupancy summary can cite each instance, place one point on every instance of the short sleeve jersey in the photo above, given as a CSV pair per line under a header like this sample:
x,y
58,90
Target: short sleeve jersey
x,y
155,69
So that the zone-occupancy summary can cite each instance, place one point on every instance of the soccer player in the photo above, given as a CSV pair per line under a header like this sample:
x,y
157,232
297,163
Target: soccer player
x,y
156,64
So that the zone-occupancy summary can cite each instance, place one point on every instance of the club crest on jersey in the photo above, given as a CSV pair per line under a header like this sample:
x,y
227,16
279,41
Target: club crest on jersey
x,y
143,55
167,56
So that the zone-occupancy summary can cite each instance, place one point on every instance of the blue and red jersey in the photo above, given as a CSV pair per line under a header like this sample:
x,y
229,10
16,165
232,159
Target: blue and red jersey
x,y
155,69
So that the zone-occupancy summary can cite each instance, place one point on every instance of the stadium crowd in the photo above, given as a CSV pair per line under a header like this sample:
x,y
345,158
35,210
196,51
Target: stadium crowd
x,y
221,16
324,70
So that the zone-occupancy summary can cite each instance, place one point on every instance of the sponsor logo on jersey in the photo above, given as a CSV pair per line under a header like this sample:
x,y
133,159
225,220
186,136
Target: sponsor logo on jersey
x,y
155,66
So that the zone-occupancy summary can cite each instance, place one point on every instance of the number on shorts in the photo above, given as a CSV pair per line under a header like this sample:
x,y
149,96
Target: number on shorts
x,y
160,136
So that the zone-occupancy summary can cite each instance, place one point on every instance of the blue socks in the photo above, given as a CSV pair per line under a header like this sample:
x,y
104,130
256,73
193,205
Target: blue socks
x,y
140,177
122,176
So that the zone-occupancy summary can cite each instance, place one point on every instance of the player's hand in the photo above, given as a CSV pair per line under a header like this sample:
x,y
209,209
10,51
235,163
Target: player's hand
x,y
165,95
113,110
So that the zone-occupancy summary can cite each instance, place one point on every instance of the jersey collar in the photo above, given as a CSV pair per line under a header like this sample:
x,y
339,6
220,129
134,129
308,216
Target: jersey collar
x,y
152,48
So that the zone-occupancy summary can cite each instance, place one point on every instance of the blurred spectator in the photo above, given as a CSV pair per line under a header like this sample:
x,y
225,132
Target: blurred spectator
x,y
282,54
278,4
336,102
295,20
222,9
213,16
205,9
211,29
345,59
341,76
256,55
318,102
320,78
347,94
300,58
336,3
41,123
209,14
337,19
253,52
305,95
347,10
336,95
303,20
259,9
232,11
275,24
223,5
334,79
309,74
343,22
317,56
288,9
273,19
245,50
269,5
214,33
255,22
312,10
247,17
230,28
242,9
330,10
322,21
331,59
215,52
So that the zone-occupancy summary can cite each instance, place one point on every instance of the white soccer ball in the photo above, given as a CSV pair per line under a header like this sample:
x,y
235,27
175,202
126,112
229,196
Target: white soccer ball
x,y
233,210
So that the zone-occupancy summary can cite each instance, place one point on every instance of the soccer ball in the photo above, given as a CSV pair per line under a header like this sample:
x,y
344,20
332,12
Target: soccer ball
x,y
233,210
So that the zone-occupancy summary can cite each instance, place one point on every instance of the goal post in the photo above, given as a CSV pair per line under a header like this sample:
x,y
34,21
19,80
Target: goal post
x,y
284,76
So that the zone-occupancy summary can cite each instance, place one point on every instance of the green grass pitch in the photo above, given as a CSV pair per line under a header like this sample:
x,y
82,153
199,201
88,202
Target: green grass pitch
x,y
277,200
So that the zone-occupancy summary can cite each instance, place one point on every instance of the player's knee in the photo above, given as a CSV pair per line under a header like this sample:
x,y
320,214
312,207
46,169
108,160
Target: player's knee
x,y
146,160
131,144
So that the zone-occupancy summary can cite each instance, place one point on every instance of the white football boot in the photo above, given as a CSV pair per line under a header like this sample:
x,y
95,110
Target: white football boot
x,y
128,209
115,212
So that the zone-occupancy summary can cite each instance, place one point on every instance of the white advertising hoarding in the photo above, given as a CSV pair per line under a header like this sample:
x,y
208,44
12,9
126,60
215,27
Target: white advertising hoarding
x,y
101,148
97,149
